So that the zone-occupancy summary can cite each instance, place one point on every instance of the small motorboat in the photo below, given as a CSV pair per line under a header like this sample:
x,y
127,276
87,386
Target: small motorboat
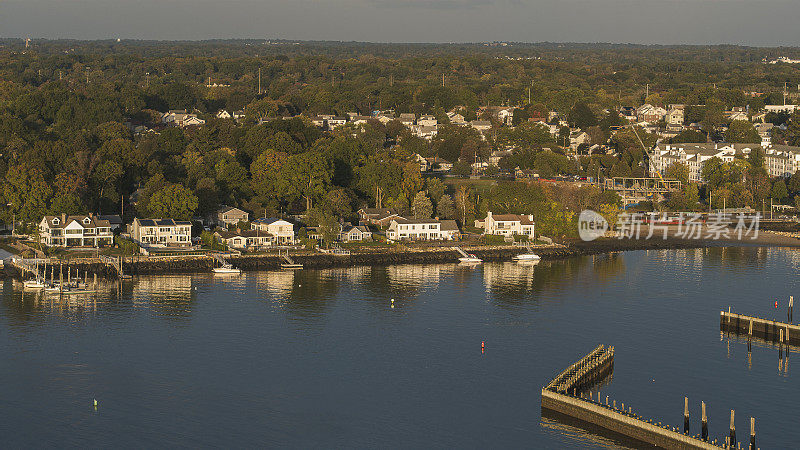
x,y
470,259
227,269
527,257
33,284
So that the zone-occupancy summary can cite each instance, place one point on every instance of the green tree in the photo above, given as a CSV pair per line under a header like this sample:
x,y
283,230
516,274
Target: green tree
x,y
740,131
174,202
677,171
779,191
445,208
422,206
306,175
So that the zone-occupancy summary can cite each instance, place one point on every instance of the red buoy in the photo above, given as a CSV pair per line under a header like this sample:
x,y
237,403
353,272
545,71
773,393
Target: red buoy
x,y
483,343
776,304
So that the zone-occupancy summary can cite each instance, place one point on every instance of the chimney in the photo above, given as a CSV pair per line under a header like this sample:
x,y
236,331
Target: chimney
x,y
64,218
488,214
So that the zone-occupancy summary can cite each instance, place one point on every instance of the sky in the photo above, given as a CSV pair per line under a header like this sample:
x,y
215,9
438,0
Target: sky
x,y
746,22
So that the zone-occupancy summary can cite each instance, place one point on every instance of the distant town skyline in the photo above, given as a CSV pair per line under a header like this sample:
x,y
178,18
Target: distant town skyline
x,y
755,23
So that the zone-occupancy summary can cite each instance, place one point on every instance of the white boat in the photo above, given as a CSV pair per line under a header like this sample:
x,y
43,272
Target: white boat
x,y
226,269
33,284
527,257
470,258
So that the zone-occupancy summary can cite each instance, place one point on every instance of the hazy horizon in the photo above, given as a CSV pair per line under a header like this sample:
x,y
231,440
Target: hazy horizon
x,y
763,23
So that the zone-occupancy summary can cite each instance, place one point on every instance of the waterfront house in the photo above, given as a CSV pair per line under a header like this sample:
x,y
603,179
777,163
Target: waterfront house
x,y
181,118
282,230
354,233
228,215
161,232
245,239
507,224
381,217
402,228
449,230
75,231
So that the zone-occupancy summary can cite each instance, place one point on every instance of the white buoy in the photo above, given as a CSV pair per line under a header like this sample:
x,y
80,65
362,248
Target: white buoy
x,y
392,303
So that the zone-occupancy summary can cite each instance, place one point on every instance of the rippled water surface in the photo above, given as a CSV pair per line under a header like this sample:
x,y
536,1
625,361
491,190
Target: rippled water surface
x,y
321,359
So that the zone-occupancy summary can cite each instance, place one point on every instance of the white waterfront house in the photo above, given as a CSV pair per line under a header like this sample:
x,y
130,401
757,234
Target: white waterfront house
x,y
508,224
161,232
282,230
75,231
401,228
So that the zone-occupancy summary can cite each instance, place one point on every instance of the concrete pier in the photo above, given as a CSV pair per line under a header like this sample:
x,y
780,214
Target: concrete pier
x,y
564,395
768,330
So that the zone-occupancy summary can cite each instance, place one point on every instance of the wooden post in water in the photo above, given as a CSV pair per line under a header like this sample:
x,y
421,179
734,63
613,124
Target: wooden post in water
x,y
749,336
94,281
780,346
704,422
733,431
685,415
791,306
752,433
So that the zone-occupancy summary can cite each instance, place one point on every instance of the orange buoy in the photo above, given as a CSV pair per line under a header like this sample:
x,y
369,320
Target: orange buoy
x,y
483,344
776,304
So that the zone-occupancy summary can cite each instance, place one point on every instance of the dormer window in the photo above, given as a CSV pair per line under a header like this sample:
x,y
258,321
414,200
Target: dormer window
x,y
56,221
86,220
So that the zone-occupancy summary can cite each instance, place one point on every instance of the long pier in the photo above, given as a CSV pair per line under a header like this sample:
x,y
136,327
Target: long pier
x,y
566,395
766,329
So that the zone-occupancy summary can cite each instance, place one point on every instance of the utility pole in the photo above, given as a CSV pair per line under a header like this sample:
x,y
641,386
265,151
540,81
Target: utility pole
x,y
647,92
442,80
259,81
784,93
391,81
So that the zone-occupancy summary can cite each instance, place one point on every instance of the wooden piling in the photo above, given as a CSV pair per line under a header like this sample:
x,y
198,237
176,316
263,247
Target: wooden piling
x,y
704,422
791,307
732,430
685,415
752,433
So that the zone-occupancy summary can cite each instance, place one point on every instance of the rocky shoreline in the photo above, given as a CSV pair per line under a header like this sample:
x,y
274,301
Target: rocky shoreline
x,y
427,255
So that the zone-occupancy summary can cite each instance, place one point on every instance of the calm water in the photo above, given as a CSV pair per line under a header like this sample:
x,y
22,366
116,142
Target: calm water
x,y
320,359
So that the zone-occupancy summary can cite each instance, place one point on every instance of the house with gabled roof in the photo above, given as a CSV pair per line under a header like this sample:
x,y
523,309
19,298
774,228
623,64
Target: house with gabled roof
x,y
354,233
507,224
377,216
282,230
229,215
75,231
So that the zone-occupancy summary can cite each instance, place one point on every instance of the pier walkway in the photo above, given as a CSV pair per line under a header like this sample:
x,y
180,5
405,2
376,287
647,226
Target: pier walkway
x,y
566,395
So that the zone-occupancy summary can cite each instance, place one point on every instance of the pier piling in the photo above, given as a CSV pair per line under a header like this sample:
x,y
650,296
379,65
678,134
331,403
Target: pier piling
x,y
733,430
685,415
704,422
752,433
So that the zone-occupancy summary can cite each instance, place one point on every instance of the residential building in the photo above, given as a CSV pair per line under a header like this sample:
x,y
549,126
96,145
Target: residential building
x,y
427,121
402,228
381,217
425,132
449,230
181,118
161,232
407,119
282,230
507,224
456,118
779,160
245,239
675,117
75,231
648,113
354,233
780,108
228,215
481,125
576,138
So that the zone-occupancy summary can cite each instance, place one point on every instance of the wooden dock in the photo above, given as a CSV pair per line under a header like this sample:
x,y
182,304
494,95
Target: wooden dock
x,y
766,329
566,395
